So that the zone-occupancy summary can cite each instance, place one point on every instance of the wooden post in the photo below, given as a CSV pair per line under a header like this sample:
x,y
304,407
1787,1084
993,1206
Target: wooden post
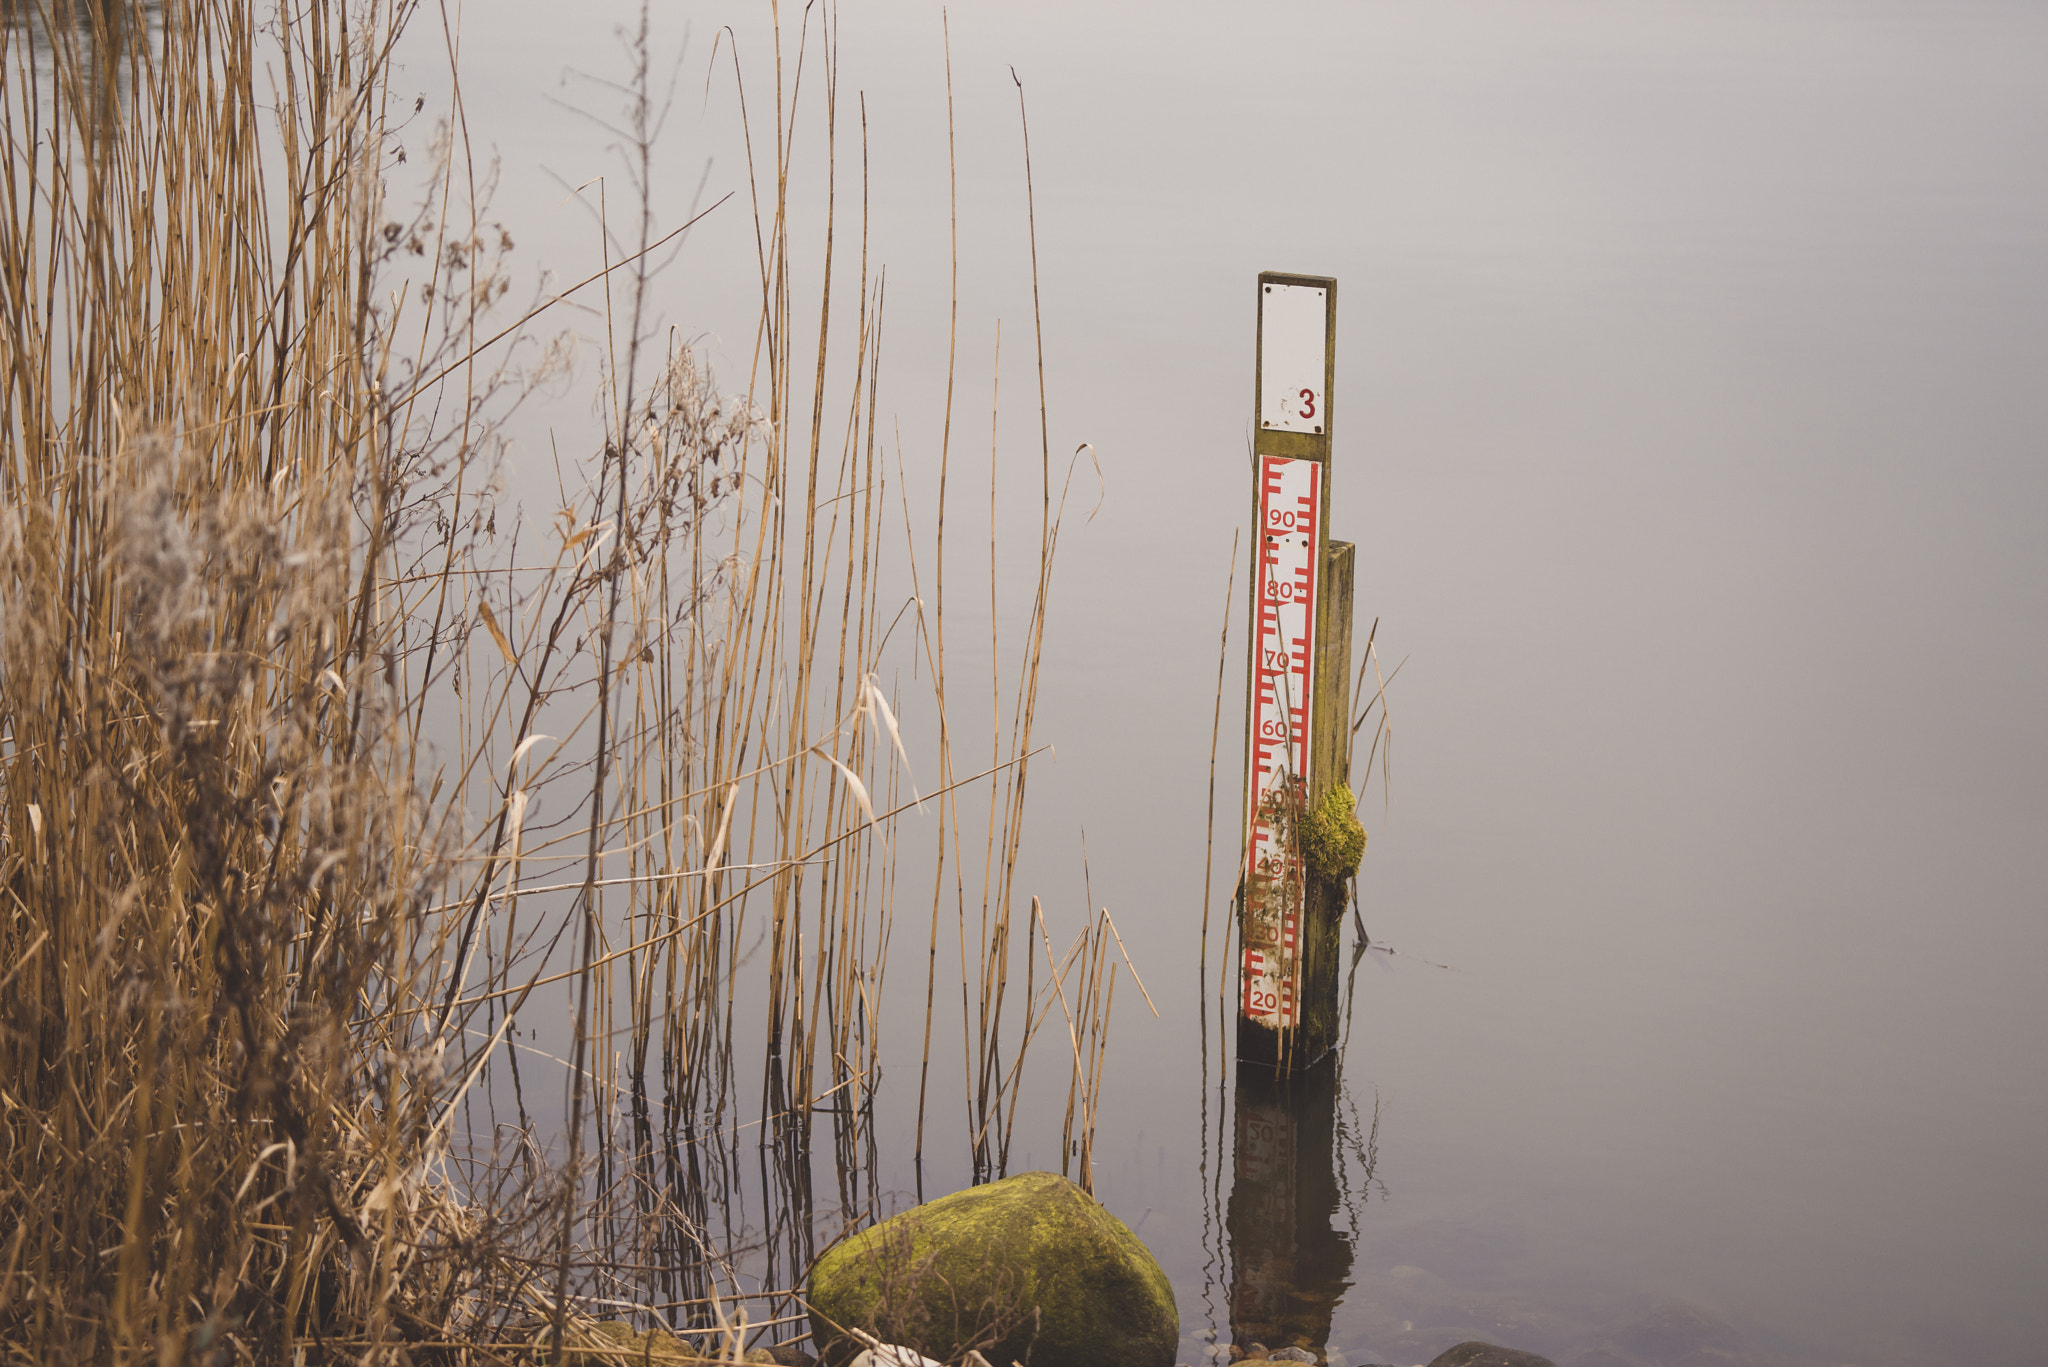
x,y
1297,695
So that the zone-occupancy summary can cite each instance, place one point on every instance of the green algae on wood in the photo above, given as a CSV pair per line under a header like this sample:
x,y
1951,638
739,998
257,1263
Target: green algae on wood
x,y
1030,1269
1332,840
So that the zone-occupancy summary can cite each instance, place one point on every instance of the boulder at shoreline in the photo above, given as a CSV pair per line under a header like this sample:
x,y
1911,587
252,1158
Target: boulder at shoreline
x,y
1030,1269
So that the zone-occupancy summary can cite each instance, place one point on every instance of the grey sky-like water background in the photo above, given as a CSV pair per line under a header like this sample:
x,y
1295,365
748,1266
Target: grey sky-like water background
x,y
1690,423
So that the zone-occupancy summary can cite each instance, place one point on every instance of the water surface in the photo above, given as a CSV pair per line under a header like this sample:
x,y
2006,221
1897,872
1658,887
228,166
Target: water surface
x,y
1689,423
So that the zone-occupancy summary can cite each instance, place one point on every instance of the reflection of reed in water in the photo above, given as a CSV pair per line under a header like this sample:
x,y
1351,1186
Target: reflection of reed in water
x,y
99,31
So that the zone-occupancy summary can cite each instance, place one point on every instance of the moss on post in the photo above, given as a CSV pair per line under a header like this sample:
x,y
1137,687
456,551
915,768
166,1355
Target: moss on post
x,y
1332,840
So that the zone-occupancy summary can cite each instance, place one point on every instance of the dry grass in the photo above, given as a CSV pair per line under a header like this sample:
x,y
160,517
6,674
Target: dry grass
x,y
215,866
314,780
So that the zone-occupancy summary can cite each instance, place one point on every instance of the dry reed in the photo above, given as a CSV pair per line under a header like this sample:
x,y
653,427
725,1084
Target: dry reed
x,y
312,781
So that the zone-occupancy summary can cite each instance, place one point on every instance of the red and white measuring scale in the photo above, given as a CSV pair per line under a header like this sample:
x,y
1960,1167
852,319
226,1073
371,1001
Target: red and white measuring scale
x,y
1290,512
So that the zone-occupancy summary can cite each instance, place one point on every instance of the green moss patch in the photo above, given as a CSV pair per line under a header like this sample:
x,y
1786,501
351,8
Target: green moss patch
x,y
1332,841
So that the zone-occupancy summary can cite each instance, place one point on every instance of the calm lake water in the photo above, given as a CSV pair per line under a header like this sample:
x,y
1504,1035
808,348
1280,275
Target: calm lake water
x,y
1690,424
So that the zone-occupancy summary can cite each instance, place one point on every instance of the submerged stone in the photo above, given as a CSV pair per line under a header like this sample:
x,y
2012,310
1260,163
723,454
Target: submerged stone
x,y
1673,1332
609,1343
1030,1269
1473,1353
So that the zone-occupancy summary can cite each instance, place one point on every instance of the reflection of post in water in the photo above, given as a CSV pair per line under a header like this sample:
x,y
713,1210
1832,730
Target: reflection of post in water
x,y
1290,1266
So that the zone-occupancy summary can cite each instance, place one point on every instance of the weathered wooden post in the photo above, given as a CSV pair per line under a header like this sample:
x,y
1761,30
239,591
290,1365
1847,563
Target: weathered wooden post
x,y
1298,699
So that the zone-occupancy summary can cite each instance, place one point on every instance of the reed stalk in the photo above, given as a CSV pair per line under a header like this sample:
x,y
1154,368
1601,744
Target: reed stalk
x,y
1215,731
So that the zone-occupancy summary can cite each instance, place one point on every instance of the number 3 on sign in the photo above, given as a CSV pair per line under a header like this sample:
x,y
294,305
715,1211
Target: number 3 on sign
x,y
1294,338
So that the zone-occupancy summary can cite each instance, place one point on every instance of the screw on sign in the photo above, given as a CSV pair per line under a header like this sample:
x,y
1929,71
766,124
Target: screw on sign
x,y
1290,524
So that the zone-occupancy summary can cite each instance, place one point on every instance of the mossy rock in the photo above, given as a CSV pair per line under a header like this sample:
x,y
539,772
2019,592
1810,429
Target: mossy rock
x,y
1030,1269
1332,841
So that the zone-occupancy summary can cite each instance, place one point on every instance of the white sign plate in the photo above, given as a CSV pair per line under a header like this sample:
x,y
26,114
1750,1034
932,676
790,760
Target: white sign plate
x,y
1293,341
